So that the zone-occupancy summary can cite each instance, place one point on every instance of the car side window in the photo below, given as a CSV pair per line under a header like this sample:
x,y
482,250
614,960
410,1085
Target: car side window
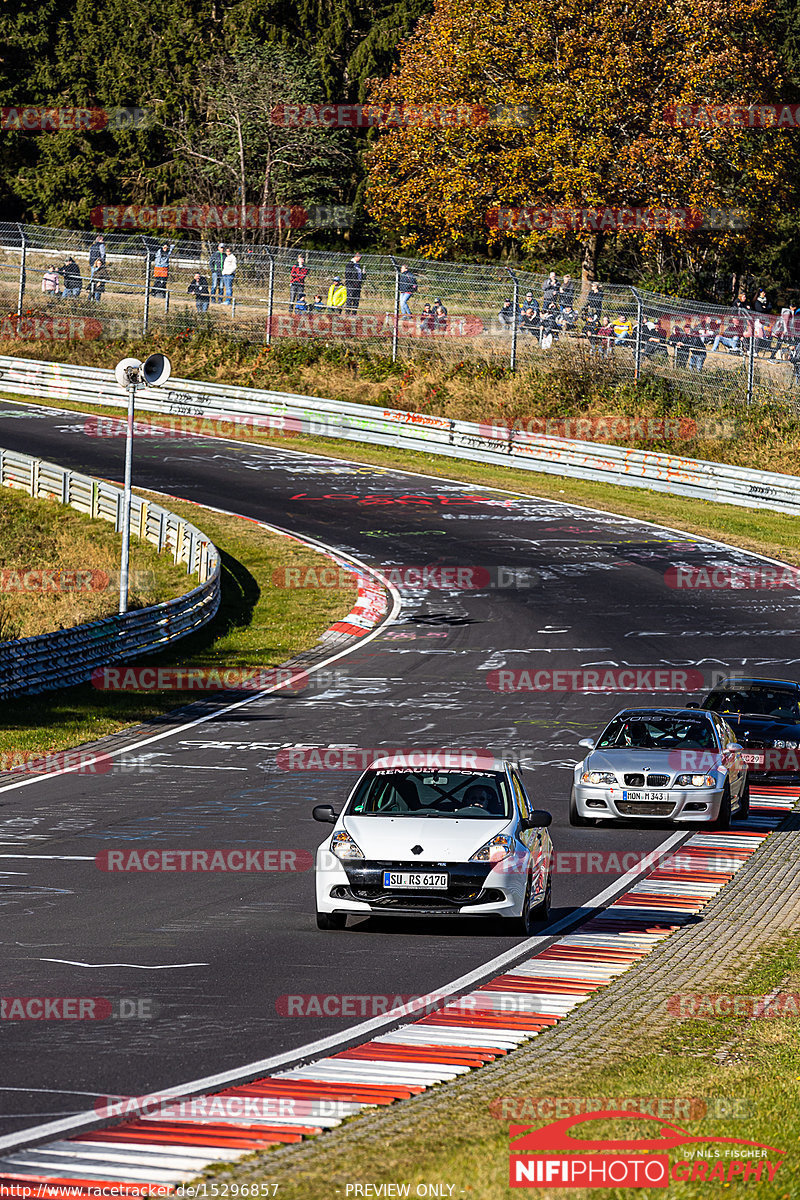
x,y
522,799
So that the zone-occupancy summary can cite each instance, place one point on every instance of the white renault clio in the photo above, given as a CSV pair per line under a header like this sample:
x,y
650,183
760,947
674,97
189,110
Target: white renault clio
x,y
432,835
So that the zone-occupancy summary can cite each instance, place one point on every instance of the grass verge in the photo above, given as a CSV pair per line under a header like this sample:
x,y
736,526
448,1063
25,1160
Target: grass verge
x,y
718,1076
258,626
59,567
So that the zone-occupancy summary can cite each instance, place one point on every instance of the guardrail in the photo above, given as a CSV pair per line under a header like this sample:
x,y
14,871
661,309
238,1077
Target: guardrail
x,y
68,656
248,409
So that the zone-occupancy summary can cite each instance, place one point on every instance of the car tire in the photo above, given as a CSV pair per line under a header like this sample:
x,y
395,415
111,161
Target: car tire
x,y
744,803
530,917
575,817
723,820
541,913
331,920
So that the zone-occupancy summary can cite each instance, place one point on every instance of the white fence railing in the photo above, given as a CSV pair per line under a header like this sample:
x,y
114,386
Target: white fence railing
x,y
68,656
281,414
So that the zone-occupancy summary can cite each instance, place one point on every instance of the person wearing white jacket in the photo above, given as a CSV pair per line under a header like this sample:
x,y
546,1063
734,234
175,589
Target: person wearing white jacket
x,y
228,271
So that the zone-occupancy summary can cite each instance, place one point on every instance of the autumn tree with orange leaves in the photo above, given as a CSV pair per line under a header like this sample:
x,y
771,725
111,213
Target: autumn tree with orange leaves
x,y
599,79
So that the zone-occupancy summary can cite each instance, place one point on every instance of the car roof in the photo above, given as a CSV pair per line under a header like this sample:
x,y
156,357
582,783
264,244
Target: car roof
x,y
444,760
661,712
752,681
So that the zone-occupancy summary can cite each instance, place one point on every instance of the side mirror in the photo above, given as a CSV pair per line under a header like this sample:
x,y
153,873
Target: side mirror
x,y
539,819
587,742
735,747
692,704
325,813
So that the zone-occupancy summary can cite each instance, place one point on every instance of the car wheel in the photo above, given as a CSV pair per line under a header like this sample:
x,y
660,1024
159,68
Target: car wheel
x,y
331,920
532,916
575,817
541,913
723,820
744,802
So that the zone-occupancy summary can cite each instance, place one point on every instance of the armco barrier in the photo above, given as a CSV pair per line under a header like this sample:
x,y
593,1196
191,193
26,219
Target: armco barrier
x,y
68,656
283,413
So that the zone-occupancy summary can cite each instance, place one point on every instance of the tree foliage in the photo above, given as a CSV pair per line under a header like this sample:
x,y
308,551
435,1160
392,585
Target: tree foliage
x,y
598,76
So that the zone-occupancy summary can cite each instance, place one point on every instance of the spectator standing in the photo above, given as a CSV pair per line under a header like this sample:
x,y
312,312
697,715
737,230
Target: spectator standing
x,y
97,258
427,321
50,282
337,293
199,289
740,307
697,351
550,291
529,321
549,326
761,304
318,305
566,293
653,340
161,269
229,265
73,281
676,340
440,316
353,279
407,286
594,301
215,265
567,319
297,281
623,328
98,281
605,338
591,324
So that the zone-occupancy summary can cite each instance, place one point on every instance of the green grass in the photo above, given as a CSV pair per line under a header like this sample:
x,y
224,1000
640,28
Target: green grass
x,y
259,625
463,1140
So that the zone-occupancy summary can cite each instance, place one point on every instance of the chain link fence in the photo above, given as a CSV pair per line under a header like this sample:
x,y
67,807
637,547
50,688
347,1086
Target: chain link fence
x,y
54,286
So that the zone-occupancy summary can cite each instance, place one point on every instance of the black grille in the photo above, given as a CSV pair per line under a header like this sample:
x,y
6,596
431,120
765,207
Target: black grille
x,y
644,808
634,780
465,884
657,781
430,902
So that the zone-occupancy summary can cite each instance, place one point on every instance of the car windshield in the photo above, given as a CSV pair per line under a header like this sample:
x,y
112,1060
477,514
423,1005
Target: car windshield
x,y
655,732
760,701
478,795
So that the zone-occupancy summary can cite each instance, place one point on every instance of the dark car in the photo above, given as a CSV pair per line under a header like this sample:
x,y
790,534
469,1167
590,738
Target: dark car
x,y
765,716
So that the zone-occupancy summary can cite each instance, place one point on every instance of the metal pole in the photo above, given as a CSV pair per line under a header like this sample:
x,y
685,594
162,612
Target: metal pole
x,y
146,318
751,361
396,322
126,503
515,326
637,366
270,295
22,262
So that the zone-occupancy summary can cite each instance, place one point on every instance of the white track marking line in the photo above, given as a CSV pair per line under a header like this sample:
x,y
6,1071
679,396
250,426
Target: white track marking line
x,y
135,966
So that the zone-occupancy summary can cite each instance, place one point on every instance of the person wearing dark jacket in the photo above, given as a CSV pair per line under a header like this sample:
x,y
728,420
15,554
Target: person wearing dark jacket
x,y
761,304
696,347
741,308
566,293
215,264
407,286
549,291
594,301
199,289
98,281
653,340
353,278
506,315
73,281
529,321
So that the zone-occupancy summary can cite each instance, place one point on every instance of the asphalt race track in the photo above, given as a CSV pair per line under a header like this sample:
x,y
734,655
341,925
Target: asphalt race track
x,y
210,955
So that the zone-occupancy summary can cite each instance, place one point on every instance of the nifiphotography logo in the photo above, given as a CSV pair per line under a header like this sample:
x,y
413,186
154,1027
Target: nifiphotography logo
x,y
549,1157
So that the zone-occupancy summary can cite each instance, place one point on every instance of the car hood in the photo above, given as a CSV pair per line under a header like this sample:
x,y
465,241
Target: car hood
x,y
443,839
749,726
652,762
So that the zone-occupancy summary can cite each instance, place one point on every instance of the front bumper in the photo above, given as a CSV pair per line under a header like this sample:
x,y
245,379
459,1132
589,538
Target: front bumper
x,y
475,889
681,805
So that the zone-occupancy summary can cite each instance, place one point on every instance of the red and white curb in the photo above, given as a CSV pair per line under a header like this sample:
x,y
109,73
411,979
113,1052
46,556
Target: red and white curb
x,y
156,1152
369,609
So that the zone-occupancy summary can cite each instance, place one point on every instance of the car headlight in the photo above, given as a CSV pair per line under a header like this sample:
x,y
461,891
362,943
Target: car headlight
x,y
598,777
495,850
779,745
696,781
343,846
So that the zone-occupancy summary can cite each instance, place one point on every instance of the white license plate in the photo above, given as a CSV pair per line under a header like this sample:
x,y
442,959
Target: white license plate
x,y
755,760
637,796
415,879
